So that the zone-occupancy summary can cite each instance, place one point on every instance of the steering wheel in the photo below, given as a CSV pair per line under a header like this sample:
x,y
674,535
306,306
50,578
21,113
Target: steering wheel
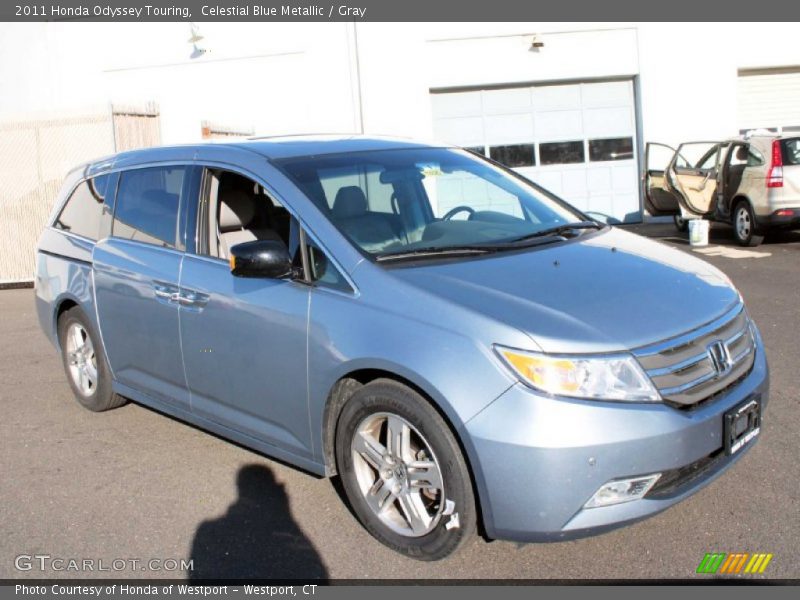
x,y
454,211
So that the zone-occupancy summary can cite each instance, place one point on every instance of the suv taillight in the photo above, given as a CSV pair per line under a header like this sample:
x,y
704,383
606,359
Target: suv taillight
x,y
775,173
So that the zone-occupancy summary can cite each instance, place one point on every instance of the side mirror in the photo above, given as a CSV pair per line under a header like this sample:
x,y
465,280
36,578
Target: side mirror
x,y
261,258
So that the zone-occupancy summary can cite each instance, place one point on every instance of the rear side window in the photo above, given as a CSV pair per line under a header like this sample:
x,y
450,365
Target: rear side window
x,y
791,151
754,157
83,211
147,205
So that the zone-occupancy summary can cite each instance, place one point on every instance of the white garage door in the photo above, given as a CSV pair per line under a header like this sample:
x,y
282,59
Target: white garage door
x,y
769,99
577,140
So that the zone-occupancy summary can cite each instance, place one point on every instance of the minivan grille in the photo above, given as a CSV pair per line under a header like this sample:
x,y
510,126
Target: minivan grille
x,y
690,368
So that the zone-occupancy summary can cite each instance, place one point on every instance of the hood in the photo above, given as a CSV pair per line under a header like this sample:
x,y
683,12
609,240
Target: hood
x,y
610,291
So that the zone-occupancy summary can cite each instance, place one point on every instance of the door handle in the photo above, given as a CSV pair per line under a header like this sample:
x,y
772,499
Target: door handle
x,y
186,299
192,298
702,185
165,291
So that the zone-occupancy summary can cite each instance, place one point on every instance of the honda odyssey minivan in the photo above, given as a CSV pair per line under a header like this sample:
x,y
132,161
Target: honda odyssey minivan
x,y
458,345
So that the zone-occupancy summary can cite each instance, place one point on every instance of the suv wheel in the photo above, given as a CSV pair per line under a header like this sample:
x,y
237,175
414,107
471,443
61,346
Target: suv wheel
x,y
85,363
681,224
744,225
403,472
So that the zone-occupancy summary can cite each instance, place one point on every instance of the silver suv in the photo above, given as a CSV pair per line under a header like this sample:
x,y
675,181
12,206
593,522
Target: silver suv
x,y
753,183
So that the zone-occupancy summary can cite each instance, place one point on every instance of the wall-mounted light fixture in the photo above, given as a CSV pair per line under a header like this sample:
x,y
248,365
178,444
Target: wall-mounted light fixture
x,y
197,51
536,43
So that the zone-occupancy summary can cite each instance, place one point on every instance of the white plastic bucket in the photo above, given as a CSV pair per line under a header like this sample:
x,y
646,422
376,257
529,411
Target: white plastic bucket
x,y
698,232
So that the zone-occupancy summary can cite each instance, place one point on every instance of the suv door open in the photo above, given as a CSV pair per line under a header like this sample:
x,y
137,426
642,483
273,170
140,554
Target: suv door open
x,y
660,200
692,175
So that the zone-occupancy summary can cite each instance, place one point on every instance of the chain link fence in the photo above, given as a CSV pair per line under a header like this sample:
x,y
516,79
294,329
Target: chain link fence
x,y
36,154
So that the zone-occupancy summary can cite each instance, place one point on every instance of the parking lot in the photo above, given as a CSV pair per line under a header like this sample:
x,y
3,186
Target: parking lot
x,y
132,484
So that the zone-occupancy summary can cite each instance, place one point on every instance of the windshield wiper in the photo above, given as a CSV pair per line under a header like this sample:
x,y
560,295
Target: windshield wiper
x,y
544,236
435,251
558,230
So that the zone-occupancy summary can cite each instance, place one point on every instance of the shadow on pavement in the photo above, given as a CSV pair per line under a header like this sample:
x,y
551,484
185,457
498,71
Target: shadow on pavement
x,y
256,538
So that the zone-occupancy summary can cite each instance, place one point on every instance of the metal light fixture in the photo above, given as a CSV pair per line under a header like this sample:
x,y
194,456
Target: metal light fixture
x,y
196,37
536,43
197,51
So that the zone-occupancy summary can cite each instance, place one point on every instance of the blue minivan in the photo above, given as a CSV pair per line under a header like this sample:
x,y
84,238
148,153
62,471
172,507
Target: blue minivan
x,y
461,347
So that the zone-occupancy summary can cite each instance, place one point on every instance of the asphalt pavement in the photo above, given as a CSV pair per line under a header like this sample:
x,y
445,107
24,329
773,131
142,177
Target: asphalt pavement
x,y
134,485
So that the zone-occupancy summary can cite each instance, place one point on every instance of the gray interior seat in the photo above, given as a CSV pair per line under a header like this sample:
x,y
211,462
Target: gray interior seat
x,y
237,212
350,211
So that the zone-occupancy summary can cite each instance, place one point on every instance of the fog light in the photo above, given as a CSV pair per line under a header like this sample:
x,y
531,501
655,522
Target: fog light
x,y
622,490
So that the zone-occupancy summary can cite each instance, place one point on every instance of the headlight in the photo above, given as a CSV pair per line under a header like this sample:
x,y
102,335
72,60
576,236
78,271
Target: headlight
x,y
613,377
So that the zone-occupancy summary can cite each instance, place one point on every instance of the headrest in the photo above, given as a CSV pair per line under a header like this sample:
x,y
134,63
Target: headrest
x,y
741,153
236,210
350,202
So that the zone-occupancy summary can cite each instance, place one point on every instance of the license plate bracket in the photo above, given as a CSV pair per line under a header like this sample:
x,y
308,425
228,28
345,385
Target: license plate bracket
x,y
741,424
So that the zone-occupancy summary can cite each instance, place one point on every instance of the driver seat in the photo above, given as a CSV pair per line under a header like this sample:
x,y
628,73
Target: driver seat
x,y
371,230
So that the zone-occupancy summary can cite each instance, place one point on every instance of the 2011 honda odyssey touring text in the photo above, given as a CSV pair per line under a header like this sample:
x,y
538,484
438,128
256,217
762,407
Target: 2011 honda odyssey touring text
x,y
457,344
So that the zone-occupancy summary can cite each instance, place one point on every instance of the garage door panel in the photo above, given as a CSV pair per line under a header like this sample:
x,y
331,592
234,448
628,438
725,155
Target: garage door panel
x,y
549,180
559,125
608,122
623,178
611,93
557,97
463,131
769,99
599,178
509,129
562,123
515,100
574,182
459,104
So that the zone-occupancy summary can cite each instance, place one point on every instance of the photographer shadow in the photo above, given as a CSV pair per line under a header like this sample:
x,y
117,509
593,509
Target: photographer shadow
x,y
256,538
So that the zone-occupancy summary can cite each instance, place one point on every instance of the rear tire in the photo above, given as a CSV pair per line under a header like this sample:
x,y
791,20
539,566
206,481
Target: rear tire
x,y
85,362
413,494
744,224
681,224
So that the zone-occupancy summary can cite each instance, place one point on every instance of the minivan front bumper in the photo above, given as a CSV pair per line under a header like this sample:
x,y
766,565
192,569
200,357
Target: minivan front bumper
x,y
540,459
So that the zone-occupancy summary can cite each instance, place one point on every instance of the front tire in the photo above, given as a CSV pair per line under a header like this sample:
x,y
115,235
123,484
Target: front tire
x,y
403,472
744,225
85,362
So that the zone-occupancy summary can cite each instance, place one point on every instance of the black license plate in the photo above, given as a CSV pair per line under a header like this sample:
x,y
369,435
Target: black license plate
x,y
741,425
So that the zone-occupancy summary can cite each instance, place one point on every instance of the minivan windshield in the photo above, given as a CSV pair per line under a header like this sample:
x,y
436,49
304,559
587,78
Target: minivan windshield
x,y
427,201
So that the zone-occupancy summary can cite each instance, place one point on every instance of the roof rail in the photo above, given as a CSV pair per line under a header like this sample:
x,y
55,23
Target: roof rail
x,y
289,135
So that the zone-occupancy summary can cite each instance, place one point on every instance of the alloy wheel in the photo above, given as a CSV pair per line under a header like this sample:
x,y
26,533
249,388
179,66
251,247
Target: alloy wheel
x,y
81,359
398,474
